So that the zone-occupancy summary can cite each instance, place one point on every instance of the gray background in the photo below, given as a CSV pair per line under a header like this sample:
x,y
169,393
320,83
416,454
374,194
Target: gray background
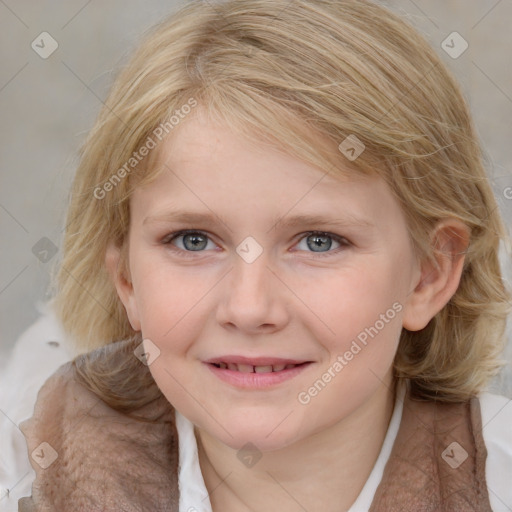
x,y
48,105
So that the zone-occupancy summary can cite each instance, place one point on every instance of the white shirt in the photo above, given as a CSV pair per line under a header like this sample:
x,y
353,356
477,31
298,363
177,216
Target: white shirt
x,y
34,359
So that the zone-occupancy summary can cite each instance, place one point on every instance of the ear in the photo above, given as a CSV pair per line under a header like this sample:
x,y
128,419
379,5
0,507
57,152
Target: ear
x,y
120,275
439,278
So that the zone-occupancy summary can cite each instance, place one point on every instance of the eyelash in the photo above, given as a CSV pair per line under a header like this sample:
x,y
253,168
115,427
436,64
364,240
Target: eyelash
x,y
172,236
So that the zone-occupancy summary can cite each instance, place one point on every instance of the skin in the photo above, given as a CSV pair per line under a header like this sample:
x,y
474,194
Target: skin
x,y
290,302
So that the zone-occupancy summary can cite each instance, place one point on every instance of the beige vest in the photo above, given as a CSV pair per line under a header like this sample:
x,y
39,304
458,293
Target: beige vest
x,y
90,458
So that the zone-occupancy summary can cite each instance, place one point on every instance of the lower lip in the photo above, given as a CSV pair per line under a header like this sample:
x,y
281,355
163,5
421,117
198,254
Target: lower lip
x,y
256,380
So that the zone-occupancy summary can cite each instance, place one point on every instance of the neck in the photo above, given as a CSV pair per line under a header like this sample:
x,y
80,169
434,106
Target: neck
x,y
325,471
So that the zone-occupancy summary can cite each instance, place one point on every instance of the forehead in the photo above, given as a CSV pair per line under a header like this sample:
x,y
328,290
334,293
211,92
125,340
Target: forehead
x,y
208,166
218,151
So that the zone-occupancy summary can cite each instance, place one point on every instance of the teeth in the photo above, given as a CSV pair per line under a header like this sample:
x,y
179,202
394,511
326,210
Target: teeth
x,y
245,368
263,369
248,368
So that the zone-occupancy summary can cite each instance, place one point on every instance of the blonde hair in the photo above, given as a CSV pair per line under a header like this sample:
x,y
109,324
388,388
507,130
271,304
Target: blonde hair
x,y
283,73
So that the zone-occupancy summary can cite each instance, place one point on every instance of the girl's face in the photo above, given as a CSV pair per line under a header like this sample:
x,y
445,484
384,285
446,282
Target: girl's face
x,y
281,264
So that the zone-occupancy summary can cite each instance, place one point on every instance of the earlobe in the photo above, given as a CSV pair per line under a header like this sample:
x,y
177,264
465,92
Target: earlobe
x,y
440,277
122,282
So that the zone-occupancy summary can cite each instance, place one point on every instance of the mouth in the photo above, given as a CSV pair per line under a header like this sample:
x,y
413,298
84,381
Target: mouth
x,y
249,368
255,373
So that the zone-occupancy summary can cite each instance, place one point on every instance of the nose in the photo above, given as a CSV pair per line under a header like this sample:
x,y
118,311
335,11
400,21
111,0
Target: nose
x,y
254,299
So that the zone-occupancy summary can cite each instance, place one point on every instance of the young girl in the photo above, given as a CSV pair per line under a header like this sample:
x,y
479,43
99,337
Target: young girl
x,y
280,264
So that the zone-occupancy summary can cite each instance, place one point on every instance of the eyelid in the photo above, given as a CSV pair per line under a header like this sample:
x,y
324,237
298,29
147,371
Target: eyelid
x,y
182,232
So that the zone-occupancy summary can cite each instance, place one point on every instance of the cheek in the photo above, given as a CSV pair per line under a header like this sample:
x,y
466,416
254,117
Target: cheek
x,y
168,303
358,303
363,313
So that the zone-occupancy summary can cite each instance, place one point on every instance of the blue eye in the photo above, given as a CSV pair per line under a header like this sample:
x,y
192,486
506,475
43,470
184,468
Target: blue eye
x,y
318,242
193,241
321,242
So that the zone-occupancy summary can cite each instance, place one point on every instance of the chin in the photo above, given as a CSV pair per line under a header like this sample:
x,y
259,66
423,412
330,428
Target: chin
x,y
264,436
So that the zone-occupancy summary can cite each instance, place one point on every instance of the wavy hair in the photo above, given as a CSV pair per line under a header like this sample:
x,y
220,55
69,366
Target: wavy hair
x,y
282,73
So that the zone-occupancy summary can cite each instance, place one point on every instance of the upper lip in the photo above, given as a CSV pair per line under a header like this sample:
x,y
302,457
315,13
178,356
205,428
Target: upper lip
x,y
255,361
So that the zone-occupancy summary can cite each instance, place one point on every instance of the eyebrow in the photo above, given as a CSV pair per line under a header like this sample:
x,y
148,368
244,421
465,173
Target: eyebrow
x,y
188,217
303,220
